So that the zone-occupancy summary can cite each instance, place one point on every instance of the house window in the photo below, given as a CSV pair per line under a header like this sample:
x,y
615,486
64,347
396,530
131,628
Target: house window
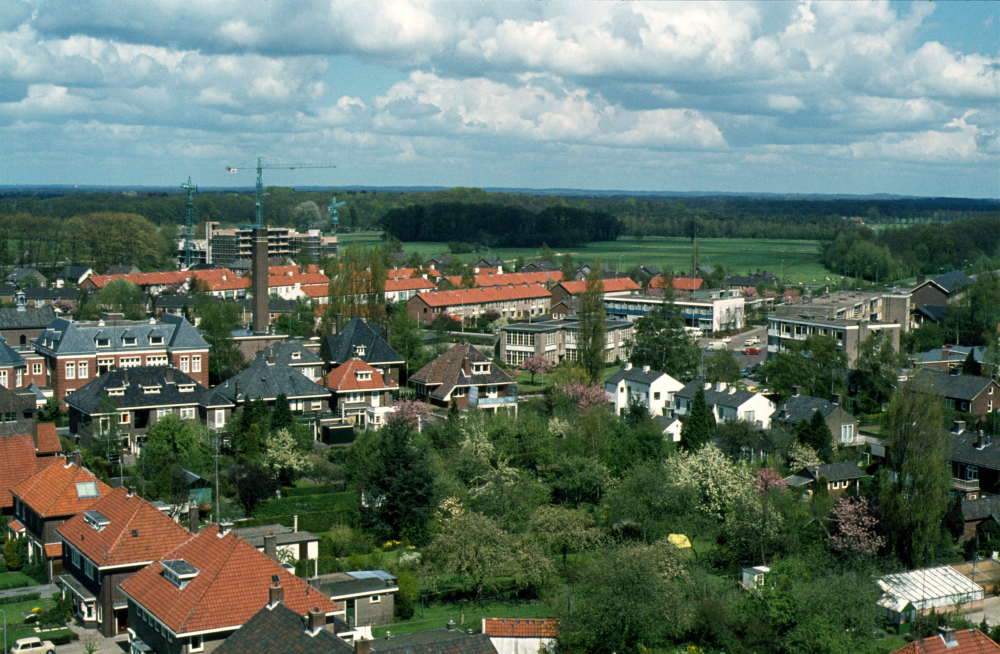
x,y
104,342
163,413
187,413
156,340
130,362
971,472
36,369
82,369
123,418
316,406
129,340
156,360
749,416
220,417
105,424
656,396
847,433
375,599
196,644
196,364
185,366
71,370
3,378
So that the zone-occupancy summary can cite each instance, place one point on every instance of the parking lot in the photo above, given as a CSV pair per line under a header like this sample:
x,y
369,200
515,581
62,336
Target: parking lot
x,y
738,344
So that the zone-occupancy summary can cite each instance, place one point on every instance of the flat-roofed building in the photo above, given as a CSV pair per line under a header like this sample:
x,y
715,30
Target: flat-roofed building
x,y
711,310
557,340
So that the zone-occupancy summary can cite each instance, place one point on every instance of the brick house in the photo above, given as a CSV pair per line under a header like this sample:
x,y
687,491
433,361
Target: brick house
x,y
368,596
361,395
201,592
975,463
22,325
18,461
281,543
135,399
18,413
59,490
562,290
79,352
842,425
513,636
464,376
977,396
358,339
117,536
520,302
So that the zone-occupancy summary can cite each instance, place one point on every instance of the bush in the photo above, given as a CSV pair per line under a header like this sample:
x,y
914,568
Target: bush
x,y
60,613
63,639
27,597
306,504
15,553
319,489
37,571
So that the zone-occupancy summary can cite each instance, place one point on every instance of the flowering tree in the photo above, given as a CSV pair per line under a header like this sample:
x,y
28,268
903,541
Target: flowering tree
x,y
411,412
716,480
856,522
768,478
586,397
282,453
748,291
537,365
791,296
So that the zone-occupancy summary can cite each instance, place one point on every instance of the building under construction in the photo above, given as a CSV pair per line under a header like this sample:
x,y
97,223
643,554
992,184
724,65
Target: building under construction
x,y
222,247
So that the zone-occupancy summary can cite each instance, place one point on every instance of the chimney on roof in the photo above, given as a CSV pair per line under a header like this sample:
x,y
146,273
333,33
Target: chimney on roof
x,y
948,635
271,545
193,519
362,646
795,390
958,427
645,368
295,524
720,386
837,399
708,386
315,621
921,279
225,528
628,366
275,594
78,458
131,491
450,626
168,374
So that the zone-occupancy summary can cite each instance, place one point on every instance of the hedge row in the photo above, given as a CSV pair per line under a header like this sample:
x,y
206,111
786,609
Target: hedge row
x,y
316,522
288,491
306,504
14,599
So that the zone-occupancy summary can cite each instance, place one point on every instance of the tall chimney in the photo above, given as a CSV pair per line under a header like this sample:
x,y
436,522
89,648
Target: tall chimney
x,y
316,620
271,546
193,519
259,267
948,635
78,458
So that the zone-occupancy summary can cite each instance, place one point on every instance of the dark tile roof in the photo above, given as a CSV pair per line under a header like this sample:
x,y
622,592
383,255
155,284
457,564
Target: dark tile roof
x,y
122,270
934,314
964,450
713,397
37,293
27,318
801,407
274,305
67,337
276,629
956,353
962,387
8,289
634,374
540,265
447,371
282,534
173,301
9,356
284,352
953,281
72,273
18,274
13,402
436,641
135,382
982,508
357,332
344,584
842,471
269,380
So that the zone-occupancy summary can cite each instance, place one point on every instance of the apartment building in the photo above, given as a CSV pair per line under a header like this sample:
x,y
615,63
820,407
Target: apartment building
x,y
711,311
224,246
847,316
557,340
521,302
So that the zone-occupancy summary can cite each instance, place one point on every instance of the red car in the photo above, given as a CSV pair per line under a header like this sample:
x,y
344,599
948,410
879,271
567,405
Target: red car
x,y
752,350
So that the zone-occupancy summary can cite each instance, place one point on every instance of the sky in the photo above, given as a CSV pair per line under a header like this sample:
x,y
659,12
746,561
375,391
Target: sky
x,y
770,97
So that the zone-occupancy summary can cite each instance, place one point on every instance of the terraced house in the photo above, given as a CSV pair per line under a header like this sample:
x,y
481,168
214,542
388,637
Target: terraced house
x,y
76,353
517,302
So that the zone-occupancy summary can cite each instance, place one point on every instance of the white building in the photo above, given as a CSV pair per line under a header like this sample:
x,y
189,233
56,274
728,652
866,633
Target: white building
x,y
710,311
524,636
653,389
727,403
944,589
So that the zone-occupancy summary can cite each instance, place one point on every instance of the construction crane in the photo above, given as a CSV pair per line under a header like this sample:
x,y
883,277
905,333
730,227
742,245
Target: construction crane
x,y
334,218
258,218
189,222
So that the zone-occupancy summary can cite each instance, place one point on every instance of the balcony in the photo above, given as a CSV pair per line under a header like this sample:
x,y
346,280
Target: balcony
x,y
503,400
965,485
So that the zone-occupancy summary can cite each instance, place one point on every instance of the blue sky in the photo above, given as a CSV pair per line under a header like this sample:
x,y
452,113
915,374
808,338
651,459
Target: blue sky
x,y
824,97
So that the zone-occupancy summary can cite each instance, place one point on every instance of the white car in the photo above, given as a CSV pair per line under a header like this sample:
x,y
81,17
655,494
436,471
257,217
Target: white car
x,y
33,645
752,341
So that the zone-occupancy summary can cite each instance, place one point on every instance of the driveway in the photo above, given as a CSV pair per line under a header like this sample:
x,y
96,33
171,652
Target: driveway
x,y
991,609
104,645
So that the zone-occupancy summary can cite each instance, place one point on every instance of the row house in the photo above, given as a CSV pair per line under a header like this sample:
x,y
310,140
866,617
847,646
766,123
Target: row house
x,y
678,283
361,396
557,341
521,302
129,401
59,490
21,455
106,544
618,285
76,353
463,377
493,278
155,283
727,403
401,289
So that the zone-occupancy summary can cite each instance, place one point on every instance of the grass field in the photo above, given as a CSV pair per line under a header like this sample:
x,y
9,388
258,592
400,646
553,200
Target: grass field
x,y
797,261
15,580
436,616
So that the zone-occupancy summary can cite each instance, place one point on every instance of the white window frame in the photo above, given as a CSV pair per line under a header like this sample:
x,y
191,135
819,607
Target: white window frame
x,y
71,370
375,599
36,368
196,364
81,370
847,433
124,418
187,413
196,643
185,366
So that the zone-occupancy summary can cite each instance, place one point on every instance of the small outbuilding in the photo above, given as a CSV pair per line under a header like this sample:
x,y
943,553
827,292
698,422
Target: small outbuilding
x,y
943,589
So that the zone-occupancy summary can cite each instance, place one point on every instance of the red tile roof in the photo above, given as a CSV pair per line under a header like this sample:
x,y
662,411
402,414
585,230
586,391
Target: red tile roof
x,y
291,279
512,628
53,550
48,439
230,587
483,294
344,378
970,641
319,290
137,531
17,463
680,283
407,284
284,270
232,283
52,491
409,272
15,526
610,285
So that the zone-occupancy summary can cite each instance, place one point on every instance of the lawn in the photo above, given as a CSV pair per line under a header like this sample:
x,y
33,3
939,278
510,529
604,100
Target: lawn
x,y
15,580
436,616
14,610
796,260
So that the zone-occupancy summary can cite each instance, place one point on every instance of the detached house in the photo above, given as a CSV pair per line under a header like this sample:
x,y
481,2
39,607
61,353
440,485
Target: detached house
x,y
60,489
118,535
727,403
840,477
277,628
294,354
842,425
521,636
359,340
654,390
201,592
971,394
361,395
464,376
266,379
975,463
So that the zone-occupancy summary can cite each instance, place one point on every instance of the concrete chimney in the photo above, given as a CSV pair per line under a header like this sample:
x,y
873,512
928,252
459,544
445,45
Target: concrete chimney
x,y
275,594
958,426
271,546
362,646
193,519
316,620
295,523
225,528
837,399
948,635
78,458
259,267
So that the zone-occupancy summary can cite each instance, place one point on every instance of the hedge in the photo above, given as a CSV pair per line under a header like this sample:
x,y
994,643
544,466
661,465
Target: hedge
x,y
316,522
345,501
27,597
289,491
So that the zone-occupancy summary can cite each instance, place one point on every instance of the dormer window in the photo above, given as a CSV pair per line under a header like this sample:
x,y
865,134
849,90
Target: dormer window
x,y
156,340
185,388
363,375
128,340
151,390
296,356
87,490
103,342
96,520
179,572
116,391
480,368
359,350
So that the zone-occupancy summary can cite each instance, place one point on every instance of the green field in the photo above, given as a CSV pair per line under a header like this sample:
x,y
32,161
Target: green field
x,y
797,261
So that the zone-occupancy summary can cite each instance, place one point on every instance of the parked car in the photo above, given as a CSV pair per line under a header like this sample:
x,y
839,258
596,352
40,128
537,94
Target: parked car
x,y
34,645
752,340
716,345
752,350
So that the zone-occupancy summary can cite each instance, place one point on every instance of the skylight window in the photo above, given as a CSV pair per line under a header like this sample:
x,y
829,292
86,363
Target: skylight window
x,y
179,572
87,490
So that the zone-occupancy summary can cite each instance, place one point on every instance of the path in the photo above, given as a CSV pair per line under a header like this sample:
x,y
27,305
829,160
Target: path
x,y
45,590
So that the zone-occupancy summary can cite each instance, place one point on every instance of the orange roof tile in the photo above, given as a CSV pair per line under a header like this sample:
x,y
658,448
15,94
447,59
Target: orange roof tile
x,y
483,294
17,463
48,439
409,272
15,526
284,270
319,290
344,377
407,284
680,283
970,641
52,491
293,279
53,550
542,277
137,531
230,587
513,628
610,285
229,283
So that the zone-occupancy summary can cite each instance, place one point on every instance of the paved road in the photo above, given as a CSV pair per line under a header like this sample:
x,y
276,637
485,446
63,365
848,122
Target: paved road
x,y
738,344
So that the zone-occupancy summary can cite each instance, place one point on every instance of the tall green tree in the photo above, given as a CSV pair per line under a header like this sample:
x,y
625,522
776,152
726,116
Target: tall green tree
x,y
281,416
914,483
814,365
661,342
590,337
125,297
217,320
815,434
877,366
405,338
699,427
722,366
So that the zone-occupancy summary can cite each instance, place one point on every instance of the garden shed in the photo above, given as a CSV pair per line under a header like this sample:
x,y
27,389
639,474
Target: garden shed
x,y
944,589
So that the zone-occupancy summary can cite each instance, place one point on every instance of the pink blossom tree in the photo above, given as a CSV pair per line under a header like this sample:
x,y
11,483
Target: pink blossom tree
x,y
586,397
791,296
537,365
748,291
768,478
412,412
856,524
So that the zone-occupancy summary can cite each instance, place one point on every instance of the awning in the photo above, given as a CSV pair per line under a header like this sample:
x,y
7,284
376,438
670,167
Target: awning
x,y
53,550
78,589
